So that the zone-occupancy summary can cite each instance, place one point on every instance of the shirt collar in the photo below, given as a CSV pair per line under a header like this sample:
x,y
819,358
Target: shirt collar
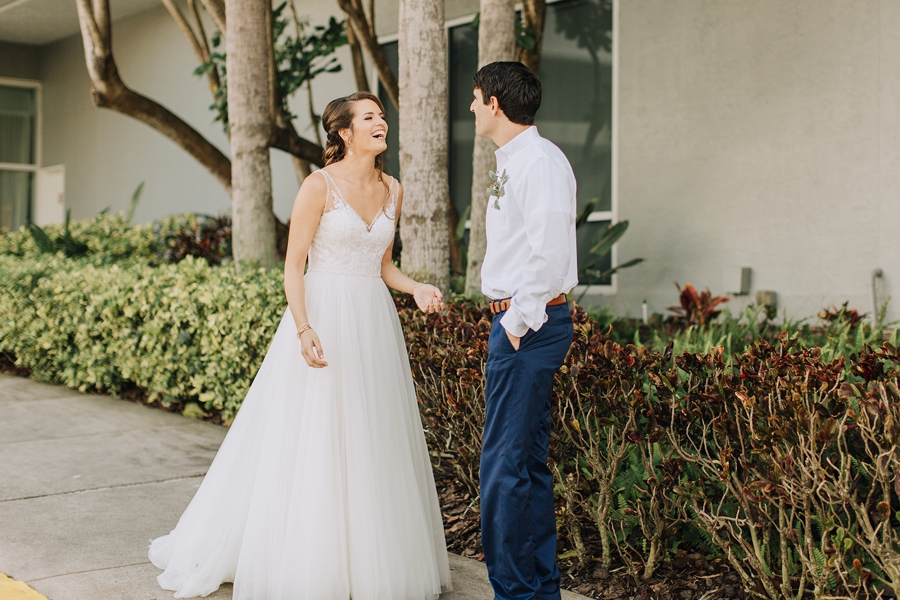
x,y
505,152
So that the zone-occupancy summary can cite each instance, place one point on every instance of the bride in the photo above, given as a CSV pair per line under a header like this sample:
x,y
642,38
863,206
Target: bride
x,y
322,489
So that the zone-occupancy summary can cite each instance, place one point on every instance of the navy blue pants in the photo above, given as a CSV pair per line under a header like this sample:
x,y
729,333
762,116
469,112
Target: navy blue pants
x,y
518,524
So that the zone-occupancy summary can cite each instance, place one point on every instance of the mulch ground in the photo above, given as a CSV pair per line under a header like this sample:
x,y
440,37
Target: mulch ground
x,y
689,576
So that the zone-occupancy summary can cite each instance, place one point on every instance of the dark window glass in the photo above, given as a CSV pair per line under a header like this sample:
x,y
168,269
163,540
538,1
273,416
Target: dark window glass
x,y
17,125
16,189
576,76
392,162
590,268
463,64
18,121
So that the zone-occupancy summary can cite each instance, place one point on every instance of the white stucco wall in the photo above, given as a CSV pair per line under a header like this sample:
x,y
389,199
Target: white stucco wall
x,y
763,134
107,154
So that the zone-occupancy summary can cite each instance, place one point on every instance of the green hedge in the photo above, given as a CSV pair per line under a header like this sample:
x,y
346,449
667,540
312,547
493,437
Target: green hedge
x,y
109,239
183,332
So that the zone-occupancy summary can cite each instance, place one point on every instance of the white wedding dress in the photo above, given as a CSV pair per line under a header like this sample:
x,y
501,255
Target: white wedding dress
x,y
322,489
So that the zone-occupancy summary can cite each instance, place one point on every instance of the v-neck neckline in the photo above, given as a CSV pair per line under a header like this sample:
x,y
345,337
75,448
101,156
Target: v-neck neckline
x,y
380,212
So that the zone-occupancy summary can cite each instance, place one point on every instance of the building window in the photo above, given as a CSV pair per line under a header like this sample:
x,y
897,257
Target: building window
x,y
576,110
392,160
18,153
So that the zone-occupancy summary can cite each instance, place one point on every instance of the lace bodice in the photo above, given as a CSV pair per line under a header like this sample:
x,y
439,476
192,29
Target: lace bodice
x,y
344,244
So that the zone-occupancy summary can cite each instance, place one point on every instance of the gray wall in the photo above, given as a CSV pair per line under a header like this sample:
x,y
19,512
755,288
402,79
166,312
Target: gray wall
x,y
763,134
20,61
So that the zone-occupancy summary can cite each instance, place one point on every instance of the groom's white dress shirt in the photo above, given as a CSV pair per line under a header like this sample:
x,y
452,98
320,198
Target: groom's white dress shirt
x,y
531,253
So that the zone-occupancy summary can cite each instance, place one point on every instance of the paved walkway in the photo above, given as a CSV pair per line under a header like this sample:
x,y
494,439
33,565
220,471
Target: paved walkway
x,y
87,481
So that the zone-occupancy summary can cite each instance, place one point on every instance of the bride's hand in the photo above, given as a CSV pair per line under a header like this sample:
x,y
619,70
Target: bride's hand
x,y
312,349
428,298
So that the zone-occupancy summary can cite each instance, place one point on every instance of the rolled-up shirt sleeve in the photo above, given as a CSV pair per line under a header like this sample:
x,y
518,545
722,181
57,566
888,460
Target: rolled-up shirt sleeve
x,y
549,221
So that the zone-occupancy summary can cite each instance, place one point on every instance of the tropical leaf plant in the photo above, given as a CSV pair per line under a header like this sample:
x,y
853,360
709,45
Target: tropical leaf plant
x,y
592,267
697,308
64,243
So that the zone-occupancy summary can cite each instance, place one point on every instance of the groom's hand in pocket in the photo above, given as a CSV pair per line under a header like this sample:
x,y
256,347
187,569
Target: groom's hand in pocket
x,y
312,349
515,341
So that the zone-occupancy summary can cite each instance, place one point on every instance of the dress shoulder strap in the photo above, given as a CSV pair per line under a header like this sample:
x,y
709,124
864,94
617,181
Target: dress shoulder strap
x,y
332,193
390,204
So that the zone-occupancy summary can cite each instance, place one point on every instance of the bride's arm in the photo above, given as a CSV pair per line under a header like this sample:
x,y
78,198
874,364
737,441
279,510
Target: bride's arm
x,y
308,207
428,297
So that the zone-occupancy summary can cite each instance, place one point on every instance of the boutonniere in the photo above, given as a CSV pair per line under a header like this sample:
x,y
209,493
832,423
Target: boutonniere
x,y
496,189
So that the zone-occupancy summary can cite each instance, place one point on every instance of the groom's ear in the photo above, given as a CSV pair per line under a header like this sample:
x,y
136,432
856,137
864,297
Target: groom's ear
x,y
495,106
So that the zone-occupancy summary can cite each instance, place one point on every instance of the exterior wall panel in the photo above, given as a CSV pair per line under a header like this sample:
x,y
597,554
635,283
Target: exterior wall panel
x,y
760,134
20,61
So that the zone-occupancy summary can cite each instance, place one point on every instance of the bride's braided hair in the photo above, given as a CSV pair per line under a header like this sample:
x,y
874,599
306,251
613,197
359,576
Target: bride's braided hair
x,y
338,115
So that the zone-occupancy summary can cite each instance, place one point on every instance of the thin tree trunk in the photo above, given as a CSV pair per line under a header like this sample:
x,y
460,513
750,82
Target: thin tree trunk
x,y
366,34
496,41
247,47
216,10
423,141
533,16
359,65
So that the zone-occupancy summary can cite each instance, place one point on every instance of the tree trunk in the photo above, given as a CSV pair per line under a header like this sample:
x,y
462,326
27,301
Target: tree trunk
x,y
496,41
247,47
533,13
423,141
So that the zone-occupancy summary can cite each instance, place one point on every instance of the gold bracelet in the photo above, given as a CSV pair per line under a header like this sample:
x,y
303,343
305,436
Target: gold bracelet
x,y
302,328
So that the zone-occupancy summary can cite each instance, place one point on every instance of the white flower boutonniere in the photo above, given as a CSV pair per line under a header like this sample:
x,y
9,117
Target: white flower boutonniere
x,y
496,188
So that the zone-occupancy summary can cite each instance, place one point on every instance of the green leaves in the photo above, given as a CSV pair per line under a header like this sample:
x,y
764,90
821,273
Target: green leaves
x,y
298,58
601,247
184,332
63,243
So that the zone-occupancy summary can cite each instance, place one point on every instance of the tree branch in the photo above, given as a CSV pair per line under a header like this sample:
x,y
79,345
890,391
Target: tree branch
x,y
287,140
275,100
533,13
101,14
98,46
360,23
216,10
359,66
313,117
213,74
186,29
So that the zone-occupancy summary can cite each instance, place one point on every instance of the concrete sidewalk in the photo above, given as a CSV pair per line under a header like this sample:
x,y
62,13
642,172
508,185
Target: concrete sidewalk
x,y
87,481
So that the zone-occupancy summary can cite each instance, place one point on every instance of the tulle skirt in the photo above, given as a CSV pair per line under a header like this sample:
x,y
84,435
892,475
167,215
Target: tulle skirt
x,y
322,489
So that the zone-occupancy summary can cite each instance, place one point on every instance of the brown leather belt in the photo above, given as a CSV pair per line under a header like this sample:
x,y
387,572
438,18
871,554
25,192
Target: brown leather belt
x,y
498,306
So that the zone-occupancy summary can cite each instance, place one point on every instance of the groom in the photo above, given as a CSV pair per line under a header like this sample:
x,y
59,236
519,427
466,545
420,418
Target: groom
x,y
529,266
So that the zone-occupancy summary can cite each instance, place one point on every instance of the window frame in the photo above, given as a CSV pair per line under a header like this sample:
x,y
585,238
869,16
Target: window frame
x,y
595,216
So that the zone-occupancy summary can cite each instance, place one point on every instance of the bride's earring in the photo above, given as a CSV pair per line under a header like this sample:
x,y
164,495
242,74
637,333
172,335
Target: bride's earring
x,y
350,151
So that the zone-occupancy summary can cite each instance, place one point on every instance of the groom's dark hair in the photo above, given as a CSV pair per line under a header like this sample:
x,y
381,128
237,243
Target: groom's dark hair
x,y
516,88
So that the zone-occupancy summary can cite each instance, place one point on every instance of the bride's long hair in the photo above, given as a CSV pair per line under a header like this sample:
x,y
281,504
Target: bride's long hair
x,y
339,115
